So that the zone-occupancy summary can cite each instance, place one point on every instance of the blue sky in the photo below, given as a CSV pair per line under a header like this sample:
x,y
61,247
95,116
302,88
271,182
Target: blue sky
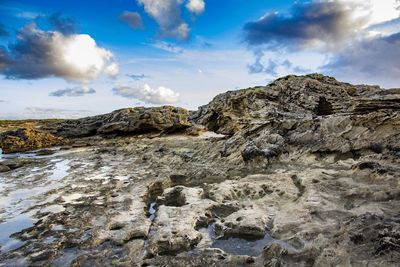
x,y
77,58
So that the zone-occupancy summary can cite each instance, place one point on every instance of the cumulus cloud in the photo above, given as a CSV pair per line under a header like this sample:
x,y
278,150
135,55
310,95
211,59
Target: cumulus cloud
x,y
73,92
133,19
167,14
196,6
40,54
146,94
308,24
370,58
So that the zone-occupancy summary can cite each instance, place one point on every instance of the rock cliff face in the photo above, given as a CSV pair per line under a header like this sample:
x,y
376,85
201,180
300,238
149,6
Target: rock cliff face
x,y
312,113
302,172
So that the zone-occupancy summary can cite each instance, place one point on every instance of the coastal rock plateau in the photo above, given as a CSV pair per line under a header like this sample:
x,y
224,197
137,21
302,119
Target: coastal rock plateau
x,y
302,172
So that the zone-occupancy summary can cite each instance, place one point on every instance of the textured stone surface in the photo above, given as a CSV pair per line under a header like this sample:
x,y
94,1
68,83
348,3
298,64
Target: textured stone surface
x,y
26,139
303,172
125,121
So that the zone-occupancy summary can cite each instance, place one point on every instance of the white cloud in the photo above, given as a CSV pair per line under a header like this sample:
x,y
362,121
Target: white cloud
x,y
196,6
40,54
160,95
377,11
167,14
75,91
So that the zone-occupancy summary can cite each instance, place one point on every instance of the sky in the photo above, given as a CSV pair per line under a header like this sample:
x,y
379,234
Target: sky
x,y
68,59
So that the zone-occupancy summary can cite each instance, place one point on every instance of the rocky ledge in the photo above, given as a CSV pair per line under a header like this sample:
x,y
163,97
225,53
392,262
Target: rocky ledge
x,y
301,172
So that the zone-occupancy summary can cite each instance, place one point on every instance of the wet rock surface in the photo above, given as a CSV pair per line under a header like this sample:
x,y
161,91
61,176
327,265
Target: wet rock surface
x,y
303,172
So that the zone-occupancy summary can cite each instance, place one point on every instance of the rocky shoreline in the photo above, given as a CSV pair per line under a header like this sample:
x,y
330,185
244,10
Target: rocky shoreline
x,y
302,172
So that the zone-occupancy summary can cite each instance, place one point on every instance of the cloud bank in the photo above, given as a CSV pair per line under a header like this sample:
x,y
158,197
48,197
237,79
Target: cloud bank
x,y
375,58
146,94
73,92
41,54
58,113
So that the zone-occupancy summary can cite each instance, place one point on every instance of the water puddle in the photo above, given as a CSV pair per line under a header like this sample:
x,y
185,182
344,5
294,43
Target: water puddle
x,y
14,225
239,246
24,193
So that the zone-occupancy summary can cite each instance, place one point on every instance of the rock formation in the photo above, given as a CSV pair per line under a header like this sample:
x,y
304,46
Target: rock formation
x,y
301,172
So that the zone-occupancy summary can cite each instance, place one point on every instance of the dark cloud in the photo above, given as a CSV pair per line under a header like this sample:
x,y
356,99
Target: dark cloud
x,y
371,59
133,19
309,23
63,24
5,60
39,54
137,77
73,92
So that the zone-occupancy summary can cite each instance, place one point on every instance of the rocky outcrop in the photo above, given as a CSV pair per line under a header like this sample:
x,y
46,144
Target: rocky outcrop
x,y
139,120
127,121
26,139
312,113
292,98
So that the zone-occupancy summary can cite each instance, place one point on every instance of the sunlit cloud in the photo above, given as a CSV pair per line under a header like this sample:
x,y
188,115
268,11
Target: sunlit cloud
x,y
196,6
41,54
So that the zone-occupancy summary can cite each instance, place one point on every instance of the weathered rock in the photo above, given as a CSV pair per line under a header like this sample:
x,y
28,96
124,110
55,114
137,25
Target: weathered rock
x,y
26,139
311,113
4,168
137,120
250,223
177,205
329,195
